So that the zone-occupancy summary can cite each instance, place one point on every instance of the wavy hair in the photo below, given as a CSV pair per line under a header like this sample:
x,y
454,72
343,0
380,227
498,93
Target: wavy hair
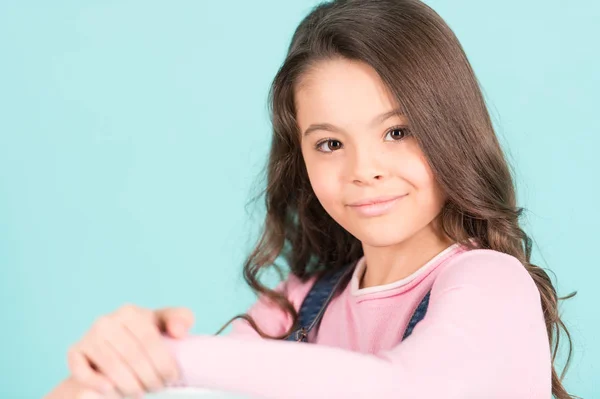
x,y
424,66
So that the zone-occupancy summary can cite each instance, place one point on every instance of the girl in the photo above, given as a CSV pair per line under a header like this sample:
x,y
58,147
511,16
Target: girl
x,y
391,202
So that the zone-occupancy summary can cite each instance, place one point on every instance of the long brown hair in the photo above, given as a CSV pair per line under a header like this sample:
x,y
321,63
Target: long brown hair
x,y
424,66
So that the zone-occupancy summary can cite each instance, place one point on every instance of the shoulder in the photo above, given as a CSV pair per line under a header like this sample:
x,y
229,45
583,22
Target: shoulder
x,y
295,289
487,269
272,319
486,305
485,287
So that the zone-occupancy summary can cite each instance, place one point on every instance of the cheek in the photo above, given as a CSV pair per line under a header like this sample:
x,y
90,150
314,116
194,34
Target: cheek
x,y
325,182
430,195
415,170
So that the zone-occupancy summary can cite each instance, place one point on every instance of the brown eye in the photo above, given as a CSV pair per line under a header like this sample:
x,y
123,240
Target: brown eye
x,y
397,133
329,145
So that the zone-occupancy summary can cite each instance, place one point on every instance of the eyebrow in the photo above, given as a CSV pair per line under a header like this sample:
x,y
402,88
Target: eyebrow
x,y
332,128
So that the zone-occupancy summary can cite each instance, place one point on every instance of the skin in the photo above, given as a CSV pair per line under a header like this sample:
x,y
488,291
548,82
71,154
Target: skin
x,y
355,148
128,354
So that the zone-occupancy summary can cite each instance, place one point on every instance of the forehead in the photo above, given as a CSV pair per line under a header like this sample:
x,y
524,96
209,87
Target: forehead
x,y
341,92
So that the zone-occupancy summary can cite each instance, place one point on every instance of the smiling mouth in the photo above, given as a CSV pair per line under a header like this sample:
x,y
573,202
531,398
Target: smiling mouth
x,y
376,206
376,200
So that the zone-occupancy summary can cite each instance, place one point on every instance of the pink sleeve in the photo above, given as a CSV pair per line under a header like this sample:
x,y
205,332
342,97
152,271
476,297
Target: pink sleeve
x,y
484,336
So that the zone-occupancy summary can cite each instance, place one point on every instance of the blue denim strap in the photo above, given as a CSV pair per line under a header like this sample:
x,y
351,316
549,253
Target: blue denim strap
x,y
318,298
418,315
315,301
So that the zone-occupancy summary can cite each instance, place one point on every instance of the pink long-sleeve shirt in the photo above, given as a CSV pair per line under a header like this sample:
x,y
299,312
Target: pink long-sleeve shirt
x,y
483,337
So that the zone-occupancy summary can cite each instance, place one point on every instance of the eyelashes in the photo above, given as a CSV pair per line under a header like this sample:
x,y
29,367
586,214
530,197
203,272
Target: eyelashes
x,y
396,133
328,145
402,130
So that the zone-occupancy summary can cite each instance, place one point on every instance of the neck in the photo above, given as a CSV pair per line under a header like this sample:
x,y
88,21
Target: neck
x,y
385,265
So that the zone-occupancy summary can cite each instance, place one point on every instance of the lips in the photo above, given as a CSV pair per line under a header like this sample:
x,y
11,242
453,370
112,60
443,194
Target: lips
x,y
376,206
376,200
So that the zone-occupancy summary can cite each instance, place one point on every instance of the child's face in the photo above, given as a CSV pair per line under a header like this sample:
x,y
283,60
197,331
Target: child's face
x,y
367,158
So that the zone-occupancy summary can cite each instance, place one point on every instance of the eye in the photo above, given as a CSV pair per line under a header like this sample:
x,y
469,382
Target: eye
x,y
397,133
328,145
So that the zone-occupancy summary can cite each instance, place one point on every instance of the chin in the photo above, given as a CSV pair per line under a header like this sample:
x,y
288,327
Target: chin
x,y
381,235
378,241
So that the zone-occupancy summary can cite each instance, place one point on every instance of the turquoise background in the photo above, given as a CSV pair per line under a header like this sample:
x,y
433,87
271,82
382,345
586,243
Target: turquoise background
x,y
133,135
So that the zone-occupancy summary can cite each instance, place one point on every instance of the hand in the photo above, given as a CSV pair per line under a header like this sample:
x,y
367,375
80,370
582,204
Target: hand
x,y
124,352
71,389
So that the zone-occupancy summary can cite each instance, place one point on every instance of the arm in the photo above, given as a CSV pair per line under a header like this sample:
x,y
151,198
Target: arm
x,y
484,336
124,351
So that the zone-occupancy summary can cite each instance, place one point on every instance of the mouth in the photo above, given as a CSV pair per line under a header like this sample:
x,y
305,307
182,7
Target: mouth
x,y
376,206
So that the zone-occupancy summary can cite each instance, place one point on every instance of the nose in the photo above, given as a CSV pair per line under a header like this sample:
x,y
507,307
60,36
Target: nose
x,y
366,167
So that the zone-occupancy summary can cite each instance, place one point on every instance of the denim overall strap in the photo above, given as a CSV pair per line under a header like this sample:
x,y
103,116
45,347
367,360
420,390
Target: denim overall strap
x,y
417,316
316,301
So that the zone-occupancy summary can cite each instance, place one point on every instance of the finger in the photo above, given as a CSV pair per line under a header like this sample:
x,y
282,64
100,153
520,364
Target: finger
x,y
176,322
156,351
88,394
104,357
85,375
133,350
